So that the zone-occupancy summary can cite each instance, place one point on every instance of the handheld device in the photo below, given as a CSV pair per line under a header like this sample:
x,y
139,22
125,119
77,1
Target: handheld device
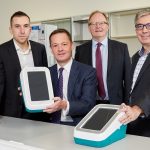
x,y
100,127
37,88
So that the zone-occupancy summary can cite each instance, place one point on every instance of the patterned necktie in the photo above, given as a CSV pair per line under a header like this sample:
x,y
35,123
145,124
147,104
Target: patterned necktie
x,y
99,70
56,116
59,90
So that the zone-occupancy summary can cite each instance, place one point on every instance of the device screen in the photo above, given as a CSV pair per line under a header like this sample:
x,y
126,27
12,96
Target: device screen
x,y
99,119
38,86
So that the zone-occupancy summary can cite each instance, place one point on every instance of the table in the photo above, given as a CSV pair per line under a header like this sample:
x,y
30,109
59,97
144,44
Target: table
x,y
54,136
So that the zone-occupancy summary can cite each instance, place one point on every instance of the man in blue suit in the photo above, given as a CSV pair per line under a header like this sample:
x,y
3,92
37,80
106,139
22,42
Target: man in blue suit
x,y
79,82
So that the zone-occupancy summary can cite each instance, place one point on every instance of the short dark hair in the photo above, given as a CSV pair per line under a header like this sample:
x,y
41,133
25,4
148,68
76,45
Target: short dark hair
x,y
60,31
18,14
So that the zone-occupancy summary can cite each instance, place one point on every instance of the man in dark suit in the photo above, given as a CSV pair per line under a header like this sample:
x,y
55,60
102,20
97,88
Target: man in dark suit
x,y
139,111
14,56
115,60
77,95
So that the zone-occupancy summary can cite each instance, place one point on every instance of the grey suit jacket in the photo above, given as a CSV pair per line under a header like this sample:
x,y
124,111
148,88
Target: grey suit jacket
x,y
118,70
81,89
11,104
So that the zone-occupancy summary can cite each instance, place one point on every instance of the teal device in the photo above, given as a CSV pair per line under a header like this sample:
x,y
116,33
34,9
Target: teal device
x,y
100,127
36,88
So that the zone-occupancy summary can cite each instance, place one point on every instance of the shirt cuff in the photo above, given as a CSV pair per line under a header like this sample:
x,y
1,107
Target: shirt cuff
x,y
66,111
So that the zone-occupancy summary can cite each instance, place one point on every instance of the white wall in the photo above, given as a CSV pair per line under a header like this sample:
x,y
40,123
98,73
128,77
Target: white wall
x,y
53,9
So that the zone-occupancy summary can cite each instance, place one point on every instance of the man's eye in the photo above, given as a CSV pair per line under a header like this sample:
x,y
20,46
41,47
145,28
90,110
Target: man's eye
x,y
54,45
16,26
26,26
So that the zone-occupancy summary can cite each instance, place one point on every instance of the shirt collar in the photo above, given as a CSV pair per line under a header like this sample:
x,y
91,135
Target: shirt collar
x,y
141,52
19,49
67,67
104,42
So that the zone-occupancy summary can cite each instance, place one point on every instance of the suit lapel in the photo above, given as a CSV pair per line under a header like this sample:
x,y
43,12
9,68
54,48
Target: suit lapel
x,y
54,77
89,54
34,53
136,58
13,54
72,78
110,56
145,65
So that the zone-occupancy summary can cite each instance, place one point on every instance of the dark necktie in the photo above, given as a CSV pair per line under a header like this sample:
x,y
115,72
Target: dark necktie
x,y
56,116
60,84
99,72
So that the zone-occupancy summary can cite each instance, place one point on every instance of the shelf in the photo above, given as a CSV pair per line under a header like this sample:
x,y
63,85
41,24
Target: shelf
x,y
80,21
121,28
82,41
123,36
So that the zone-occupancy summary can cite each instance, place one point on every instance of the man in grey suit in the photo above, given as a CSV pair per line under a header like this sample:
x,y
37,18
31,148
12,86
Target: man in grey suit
x,y
16,54
115,60
77,95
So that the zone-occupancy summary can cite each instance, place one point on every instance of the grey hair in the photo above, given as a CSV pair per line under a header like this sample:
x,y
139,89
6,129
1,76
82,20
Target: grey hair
x,y
140,14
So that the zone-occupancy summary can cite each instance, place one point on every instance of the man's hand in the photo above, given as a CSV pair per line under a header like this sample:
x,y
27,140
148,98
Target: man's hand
x,y
131,113
59,104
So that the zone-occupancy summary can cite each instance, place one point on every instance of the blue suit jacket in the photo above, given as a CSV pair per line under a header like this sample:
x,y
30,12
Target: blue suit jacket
x,y
82,86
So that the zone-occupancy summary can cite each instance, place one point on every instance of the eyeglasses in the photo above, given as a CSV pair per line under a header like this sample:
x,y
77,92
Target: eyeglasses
x,y
98,23
141,26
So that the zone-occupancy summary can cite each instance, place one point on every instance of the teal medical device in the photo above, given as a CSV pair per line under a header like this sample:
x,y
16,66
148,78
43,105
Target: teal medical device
x,y
37,88
100,127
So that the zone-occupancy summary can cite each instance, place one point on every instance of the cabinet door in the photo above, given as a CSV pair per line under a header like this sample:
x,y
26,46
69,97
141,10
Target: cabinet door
x,y
122,28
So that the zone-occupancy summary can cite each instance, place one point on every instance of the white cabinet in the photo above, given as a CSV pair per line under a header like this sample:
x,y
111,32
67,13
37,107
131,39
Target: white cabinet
x,y
80,30
122,28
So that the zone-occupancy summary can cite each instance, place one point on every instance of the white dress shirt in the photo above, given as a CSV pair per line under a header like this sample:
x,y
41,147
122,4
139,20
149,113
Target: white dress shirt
x,y
25,57
138,67
66,73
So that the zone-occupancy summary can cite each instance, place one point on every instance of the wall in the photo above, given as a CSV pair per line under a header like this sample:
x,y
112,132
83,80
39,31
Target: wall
x,y
52,9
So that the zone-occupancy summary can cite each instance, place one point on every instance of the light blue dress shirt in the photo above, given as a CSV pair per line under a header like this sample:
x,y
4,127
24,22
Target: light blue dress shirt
x,y
104,54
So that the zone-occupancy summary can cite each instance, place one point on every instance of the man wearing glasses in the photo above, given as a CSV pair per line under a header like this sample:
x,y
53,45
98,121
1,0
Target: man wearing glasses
x,y
139,110
109,57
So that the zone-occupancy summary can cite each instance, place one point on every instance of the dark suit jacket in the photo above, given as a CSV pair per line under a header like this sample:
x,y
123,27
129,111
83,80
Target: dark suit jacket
x,y
118,70
140,96
81,89
11,104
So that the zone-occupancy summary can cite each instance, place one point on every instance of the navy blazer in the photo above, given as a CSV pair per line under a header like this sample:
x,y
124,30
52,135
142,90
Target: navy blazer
x,y
82,86
11,104
118,70
140,96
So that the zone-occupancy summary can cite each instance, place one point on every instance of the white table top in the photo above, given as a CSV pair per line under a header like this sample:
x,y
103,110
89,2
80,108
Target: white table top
x,y
50,136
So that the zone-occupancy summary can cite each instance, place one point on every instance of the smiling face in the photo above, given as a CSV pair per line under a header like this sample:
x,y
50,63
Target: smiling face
x,y
61,48
144,34
98,26
20,29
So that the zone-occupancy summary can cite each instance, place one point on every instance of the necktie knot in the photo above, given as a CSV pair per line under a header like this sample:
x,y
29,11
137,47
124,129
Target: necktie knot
x,y
60,70
99,44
